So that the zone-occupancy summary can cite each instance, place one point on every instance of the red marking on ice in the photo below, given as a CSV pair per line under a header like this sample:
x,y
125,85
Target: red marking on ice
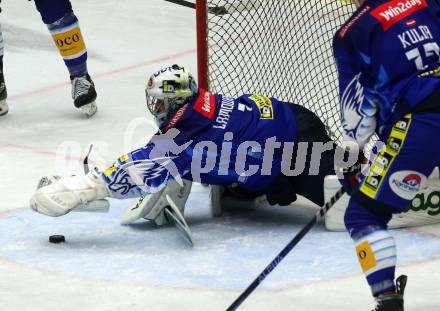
x,y
55,86
35,150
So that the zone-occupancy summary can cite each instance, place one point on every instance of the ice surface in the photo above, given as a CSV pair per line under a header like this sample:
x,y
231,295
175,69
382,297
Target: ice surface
x,y
105,266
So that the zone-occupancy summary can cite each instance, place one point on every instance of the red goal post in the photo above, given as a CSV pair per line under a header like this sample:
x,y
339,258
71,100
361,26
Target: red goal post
x,y
279,48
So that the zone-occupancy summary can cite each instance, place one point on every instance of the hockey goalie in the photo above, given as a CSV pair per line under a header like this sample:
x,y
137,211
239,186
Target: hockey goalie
x,y
249,149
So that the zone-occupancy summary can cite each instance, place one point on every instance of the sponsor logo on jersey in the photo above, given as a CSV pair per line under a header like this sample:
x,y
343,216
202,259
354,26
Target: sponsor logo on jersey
x,y
411,23
391,12
264,105
121,160
402,125
205,105
406,184
177,116
344,29
431,73
383,161
394,143
226,107
373,182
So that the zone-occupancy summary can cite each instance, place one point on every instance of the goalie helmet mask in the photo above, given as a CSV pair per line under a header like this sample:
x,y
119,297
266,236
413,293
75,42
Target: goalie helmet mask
x,y
167,90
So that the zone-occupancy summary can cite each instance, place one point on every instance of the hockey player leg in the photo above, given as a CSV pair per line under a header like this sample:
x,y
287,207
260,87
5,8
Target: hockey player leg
x,y
376,251
229,197
394,178
59,196
64,28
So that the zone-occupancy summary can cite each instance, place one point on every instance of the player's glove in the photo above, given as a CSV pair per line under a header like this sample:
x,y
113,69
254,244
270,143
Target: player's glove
x,y
281,192
351,175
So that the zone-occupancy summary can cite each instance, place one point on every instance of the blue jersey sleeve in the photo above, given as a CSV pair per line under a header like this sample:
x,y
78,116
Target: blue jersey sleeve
x,y
213,140
388,58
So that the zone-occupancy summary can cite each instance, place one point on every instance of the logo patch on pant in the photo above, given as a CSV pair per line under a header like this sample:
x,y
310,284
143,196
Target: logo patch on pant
x,y
406,184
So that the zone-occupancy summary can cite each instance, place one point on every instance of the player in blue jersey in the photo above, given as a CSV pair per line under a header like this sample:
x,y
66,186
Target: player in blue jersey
x,y
247,144
387,56
64,28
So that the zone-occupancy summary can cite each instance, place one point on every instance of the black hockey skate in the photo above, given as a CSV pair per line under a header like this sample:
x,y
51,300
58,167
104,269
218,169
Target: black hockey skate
x,y
84,94
3,94
392,301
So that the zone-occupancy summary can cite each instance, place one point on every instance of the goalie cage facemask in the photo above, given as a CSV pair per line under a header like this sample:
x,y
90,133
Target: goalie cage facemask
x,y
167,90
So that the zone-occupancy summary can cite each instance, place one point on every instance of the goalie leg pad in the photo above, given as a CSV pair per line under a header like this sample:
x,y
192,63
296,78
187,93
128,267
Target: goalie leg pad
x,y
151,207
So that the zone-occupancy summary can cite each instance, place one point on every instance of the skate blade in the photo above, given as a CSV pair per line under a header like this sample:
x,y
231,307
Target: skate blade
x,y
89,109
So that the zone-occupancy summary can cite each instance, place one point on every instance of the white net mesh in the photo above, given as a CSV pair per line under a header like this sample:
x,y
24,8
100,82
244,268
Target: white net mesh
x,y
279,48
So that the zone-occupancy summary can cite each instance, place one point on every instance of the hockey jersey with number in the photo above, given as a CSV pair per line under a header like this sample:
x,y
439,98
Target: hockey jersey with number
x,y
388,57
214,140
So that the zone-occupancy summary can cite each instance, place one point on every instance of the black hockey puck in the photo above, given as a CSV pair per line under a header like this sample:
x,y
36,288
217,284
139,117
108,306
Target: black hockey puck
x,y
57,239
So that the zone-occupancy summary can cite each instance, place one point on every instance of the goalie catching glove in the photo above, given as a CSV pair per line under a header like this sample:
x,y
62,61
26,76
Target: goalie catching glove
x,y
58,196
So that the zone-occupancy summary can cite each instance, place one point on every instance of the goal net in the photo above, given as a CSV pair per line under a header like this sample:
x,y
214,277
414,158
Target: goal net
x,y
279,48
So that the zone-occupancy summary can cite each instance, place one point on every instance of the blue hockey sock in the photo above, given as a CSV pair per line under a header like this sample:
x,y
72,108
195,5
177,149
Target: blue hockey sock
x,y
376,252
69,41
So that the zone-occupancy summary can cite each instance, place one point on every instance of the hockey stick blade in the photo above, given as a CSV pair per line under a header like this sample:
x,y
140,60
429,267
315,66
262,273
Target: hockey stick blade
x,y
86,161
235,7
260,278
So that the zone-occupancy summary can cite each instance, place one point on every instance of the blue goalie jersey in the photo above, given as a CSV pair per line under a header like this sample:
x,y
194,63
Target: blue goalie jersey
x,y
387,56
214,140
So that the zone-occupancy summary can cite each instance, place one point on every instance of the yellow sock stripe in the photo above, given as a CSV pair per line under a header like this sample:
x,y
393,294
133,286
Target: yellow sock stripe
x,y
383,161
69,41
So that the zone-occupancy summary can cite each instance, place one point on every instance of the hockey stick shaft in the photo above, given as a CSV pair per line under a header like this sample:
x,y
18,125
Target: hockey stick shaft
x,y
183,3
260,278
238,6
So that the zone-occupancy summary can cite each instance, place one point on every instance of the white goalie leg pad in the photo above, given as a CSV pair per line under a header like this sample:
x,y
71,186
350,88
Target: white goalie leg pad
x,y
151,207
424,210
58,196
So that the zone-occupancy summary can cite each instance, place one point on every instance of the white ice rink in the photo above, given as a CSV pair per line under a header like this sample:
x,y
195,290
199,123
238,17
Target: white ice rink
x,y
106,266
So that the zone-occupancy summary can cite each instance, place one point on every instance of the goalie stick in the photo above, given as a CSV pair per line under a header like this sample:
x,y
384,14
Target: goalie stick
x,y
260,278
176,218
98,206
229,8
